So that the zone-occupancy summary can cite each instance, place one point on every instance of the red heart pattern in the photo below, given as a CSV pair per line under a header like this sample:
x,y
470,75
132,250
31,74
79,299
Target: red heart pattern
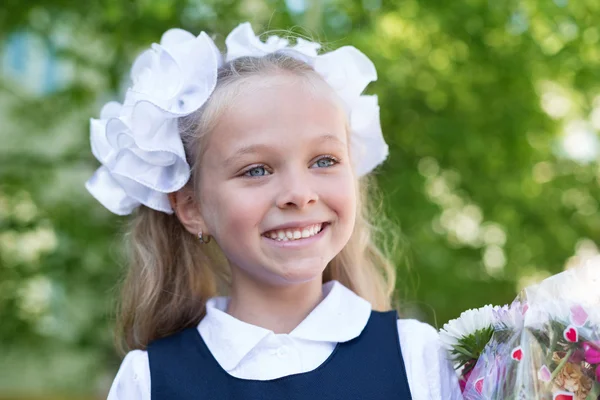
x,y
571,334
517,354
479,385
563,396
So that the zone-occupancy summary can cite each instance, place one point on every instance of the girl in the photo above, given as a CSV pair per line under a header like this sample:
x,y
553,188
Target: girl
x,y
244,170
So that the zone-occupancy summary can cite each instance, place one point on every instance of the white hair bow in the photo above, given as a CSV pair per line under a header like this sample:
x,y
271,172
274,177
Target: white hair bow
x,y
138,142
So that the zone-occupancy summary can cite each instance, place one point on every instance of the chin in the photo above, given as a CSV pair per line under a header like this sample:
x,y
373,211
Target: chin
x,y
298,275
282,272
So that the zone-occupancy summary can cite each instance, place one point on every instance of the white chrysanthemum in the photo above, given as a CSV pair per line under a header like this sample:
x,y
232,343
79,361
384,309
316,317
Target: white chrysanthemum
x,y
467,324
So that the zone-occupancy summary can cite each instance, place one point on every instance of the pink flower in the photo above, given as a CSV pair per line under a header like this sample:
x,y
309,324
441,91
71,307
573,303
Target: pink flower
x,y
577,357
592,353
462,382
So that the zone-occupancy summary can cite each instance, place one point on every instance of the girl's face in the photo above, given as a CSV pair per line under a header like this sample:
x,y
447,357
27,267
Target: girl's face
x,y
277,190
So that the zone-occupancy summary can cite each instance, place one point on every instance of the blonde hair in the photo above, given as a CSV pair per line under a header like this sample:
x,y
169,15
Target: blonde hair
x,y
171,274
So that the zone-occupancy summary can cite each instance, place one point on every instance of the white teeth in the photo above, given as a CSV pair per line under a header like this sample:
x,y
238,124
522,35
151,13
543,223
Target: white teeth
x,y
294,234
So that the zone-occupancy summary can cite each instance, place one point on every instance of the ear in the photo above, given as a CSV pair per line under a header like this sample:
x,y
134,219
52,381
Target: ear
x,y
187,210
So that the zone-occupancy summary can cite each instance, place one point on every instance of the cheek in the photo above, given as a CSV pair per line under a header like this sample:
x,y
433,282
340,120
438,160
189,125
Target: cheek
x,y
341,197
236,213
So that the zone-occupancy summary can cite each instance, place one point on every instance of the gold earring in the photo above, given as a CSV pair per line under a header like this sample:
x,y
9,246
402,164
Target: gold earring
x,y
204,239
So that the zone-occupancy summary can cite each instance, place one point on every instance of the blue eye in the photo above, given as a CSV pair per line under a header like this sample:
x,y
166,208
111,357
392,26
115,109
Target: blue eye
x,y
257,171
325,162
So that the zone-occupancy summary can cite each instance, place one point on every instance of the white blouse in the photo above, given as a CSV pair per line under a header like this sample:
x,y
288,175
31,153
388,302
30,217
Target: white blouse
x,y
250,352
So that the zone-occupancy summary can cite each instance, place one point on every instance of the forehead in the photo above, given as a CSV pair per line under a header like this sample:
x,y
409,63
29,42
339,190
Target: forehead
x,y
279,110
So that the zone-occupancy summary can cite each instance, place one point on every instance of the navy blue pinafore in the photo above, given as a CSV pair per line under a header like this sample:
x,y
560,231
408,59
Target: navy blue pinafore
x,y
368,367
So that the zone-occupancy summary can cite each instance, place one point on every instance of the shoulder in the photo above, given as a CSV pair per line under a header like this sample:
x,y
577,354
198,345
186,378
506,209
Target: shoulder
x,y
430,374
420,345
132,381
413,329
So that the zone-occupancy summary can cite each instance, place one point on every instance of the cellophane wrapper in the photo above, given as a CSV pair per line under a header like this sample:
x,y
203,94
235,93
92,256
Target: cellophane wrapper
x,y
538,347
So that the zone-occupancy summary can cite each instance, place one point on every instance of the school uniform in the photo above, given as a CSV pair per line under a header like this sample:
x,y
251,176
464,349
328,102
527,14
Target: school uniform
x,y
342,350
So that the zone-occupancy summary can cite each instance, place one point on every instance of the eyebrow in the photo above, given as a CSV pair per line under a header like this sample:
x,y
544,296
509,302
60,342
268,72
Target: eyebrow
x,y
257,148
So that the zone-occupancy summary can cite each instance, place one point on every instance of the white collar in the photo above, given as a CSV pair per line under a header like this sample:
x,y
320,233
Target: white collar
x,y
339,317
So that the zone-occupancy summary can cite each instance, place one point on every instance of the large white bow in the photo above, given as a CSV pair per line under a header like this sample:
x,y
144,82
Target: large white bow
x,y
346,70
138,142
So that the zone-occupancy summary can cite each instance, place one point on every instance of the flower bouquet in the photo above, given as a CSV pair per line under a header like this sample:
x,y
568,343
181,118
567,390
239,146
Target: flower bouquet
x,y
545,345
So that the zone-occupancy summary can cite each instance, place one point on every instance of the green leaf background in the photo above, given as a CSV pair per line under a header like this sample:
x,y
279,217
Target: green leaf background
x,y
491,110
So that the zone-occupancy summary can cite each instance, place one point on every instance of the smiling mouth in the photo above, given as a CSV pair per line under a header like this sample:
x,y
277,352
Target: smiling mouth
x,y
284,235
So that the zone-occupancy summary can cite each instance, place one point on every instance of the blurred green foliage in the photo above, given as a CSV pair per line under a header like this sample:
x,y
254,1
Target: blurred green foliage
x,y
491,110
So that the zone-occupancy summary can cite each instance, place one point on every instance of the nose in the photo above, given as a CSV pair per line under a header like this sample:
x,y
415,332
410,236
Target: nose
x,y
296,191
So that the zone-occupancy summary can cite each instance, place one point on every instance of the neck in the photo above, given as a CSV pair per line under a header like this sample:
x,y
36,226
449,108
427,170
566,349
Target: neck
x,y
279,308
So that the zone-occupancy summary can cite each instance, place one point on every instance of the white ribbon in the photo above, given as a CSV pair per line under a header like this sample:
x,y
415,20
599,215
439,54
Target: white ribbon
x,y
138,143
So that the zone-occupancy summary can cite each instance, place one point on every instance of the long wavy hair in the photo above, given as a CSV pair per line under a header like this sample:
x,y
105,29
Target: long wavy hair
x,y
171,274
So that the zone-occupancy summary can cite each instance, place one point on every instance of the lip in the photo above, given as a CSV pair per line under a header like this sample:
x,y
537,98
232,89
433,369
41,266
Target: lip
x,y
298,243
295,225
